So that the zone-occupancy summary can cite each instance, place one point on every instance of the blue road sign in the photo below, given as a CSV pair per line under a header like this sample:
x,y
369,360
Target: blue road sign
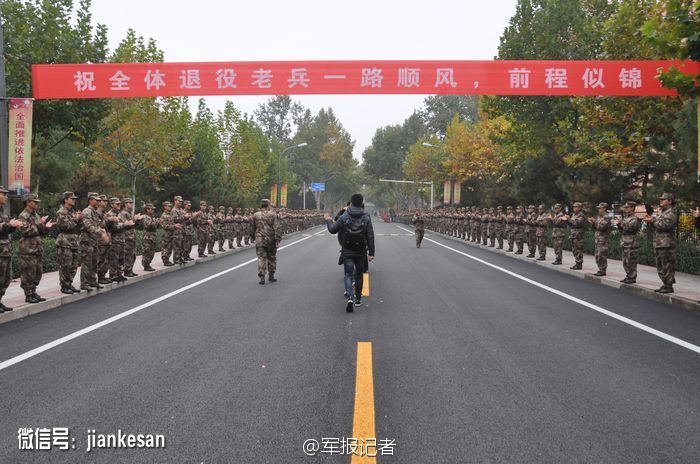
x,y
318,186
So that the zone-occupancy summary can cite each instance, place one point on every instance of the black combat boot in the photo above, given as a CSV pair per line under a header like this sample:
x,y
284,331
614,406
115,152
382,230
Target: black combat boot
x,y
67,290
262,280
272,277
5,308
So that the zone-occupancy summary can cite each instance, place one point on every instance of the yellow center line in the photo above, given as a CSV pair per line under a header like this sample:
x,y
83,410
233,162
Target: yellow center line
x,y
365,284
363,418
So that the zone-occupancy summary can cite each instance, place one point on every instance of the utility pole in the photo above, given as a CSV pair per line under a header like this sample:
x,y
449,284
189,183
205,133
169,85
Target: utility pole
x,y
4,155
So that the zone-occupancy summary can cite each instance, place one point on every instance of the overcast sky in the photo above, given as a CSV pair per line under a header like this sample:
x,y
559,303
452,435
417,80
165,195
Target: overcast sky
x,y
210,30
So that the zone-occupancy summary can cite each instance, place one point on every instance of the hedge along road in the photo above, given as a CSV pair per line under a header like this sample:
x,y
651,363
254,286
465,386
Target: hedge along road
x,y
469,364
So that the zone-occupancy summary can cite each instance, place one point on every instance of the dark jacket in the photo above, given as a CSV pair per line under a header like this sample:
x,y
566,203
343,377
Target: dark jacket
x,y
339,225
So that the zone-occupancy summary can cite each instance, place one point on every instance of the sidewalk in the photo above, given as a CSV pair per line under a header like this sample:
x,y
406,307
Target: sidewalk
x,y
49,287
686,289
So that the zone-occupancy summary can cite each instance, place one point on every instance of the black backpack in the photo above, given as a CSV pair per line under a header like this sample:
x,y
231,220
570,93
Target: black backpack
x,y
354,234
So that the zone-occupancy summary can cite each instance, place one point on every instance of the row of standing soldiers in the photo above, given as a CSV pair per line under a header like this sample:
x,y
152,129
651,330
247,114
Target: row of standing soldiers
x,y
517,227
102,238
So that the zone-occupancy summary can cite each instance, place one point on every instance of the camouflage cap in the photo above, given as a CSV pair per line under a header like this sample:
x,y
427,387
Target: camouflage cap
x,y
630,204
103,197
31,197
531,207
177,198
602,204
67,195
149,206
93,196
188,202
3,190
499,207
202,202
127,200
557,205
666,196
114,200
167,203
265,202
222,208
578,204
541,207
509,208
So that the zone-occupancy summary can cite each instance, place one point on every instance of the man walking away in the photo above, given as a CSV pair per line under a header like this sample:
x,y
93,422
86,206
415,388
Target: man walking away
x,y
266,227
358,241
419,225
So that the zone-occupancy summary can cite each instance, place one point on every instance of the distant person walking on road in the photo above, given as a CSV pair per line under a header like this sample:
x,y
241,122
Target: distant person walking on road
x,y
357,241
266,229
419,224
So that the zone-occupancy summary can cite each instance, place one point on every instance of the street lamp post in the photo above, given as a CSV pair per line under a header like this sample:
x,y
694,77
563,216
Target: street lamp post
x,y
278,200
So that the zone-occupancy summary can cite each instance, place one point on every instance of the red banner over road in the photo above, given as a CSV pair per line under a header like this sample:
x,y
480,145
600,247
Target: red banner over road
x,y
126,80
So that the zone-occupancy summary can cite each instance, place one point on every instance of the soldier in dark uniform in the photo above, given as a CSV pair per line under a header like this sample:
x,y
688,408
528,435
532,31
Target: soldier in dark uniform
x,y
601,224
68,222
520,225
664,224
630,225
7,226
31,247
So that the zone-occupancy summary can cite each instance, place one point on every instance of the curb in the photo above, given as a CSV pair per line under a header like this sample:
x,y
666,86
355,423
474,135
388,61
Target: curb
x,y
678,301
26,310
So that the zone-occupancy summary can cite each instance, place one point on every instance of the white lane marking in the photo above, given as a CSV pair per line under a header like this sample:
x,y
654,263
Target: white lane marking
x,y
86,330
626,320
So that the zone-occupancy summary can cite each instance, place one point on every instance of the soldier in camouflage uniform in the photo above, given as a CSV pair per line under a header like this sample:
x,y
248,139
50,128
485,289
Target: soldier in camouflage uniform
x,y
500,226
558,233
542,222
266,227
664,224
531,231
31,247
230,232
68,222
601,224
201,220
629,225
178,215
520,226
92,235
150,229
7,226
213,230
238,227
419,223
510,228
247,226
577,224
189,232
221,233
103,260
116,227
484,229
168,226
129,236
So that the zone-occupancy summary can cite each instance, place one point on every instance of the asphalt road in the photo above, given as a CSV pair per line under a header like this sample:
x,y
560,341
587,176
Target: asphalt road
x,y
470,363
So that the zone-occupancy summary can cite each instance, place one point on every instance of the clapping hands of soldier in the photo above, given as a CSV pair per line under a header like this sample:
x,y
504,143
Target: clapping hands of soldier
x,y
47,223
15,223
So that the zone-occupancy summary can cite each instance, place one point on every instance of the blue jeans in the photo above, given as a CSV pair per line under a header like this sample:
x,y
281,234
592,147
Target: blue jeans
x,y
354,265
